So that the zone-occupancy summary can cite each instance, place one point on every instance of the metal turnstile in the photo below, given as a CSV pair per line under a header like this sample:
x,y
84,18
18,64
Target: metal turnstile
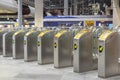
x,y
18,44
63,42
30,46
46,47
7,44
108,54
82,54
1,42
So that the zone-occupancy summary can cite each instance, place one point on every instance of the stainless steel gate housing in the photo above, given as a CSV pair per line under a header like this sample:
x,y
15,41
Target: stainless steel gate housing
x,y
46,47
18,44
63,42
108,54
30,46
82,54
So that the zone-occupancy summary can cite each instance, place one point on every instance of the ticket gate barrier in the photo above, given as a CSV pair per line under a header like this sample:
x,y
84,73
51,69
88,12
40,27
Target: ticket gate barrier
x,y
82,54
7,44
30,46
95,35
46,47
96,32
108,54
63,42
18,44
1,41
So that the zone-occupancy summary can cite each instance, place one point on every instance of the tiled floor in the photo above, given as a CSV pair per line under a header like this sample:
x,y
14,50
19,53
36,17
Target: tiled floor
x,y
19,70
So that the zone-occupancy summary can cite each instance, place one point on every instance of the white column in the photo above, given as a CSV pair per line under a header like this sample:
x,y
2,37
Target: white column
x,y
116,13
20,22
71,11
38,13
66,7
75,7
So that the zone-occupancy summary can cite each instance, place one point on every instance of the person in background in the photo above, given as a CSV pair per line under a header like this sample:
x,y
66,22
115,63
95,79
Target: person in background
x,y
46,13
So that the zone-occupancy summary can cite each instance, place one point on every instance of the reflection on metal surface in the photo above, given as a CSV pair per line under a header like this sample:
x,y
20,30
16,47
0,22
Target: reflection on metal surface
x,y
18,45
45,47
82,54
30,46
108,54
1,42
63,49
7,44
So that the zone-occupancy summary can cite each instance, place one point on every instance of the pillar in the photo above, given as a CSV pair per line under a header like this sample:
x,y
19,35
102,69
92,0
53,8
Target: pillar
x,y
75,7
20,16
39,13
116,13
66,7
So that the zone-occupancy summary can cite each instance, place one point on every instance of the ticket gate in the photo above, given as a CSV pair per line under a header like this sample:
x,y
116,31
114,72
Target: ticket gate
x,y
63,42
96,32
45,47
30,46
108,54
1,42
95,35
7,44
82,54
18,44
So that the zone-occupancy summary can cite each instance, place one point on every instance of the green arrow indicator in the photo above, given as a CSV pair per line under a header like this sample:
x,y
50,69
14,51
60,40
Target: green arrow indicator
x,y
100,49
